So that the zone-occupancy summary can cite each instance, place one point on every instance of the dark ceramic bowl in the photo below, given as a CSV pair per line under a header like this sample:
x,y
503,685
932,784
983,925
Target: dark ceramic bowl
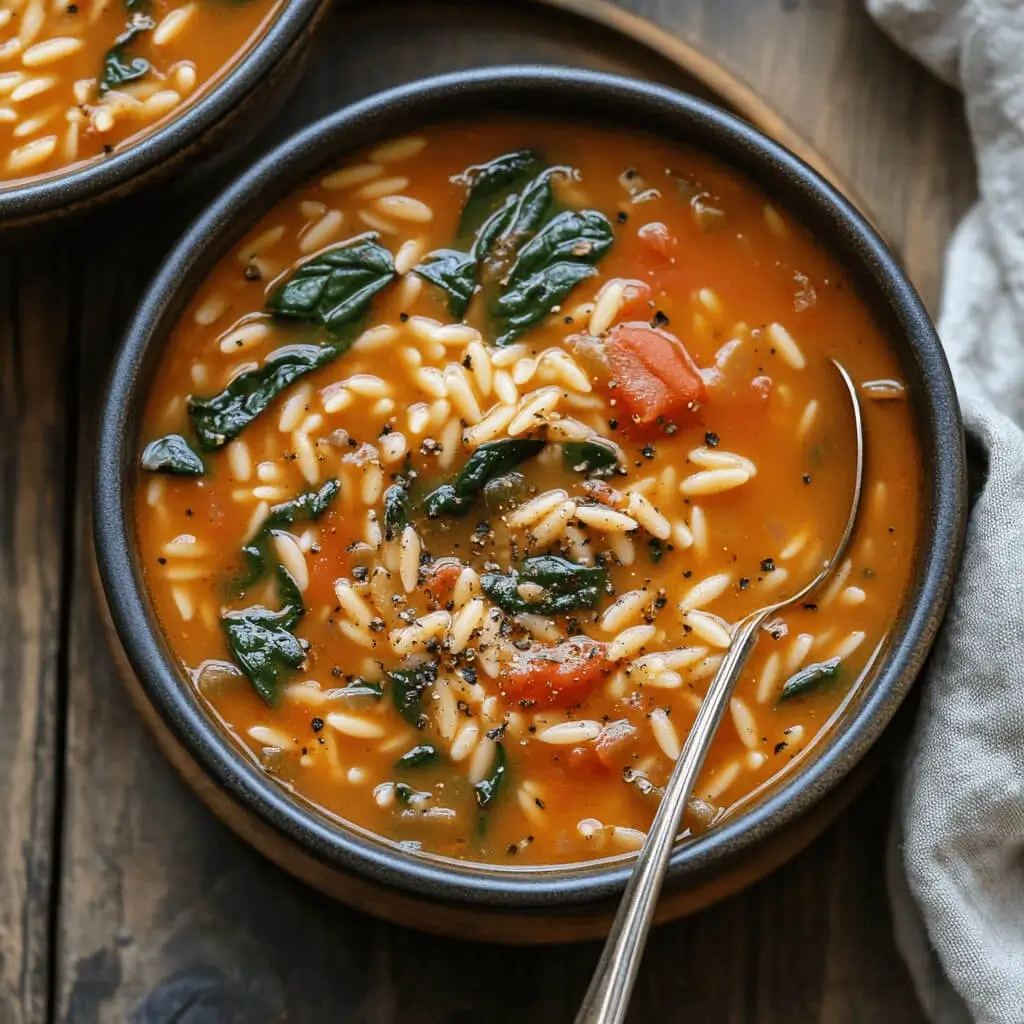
x,y
374,873
220,120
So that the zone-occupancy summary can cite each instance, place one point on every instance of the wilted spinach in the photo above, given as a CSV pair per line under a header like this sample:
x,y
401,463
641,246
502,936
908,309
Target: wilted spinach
x,y
397,512
417,757
810,678
490,183
308,506
487,788
453,272
119,66
491,460
222,417
334,288
592,458
547,268
408,686
262,642
173,455
525,261
568,585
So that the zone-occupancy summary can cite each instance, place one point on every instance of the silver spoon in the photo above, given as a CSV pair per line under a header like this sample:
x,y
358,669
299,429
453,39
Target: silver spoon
x,y
607,999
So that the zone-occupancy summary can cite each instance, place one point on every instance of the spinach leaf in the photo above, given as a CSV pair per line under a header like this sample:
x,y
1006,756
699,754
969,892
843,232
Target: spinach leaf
x,y
397,512
262,643
417,757
308,506
489,461
335,287
547,268
569,586
487,789
810,678
592,458
171,454
490,183
119,66
453,272
518,222
218,419
408,686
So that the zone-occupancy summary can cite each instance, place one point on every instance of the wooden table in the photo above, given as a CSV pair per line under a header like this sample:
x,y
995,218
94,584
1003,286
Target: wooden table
x,y
122,898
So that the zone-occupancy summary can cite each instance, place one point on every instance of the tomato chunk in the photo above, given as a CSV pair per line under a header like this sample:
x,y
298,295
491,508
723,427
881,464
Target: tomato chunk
x,y
656,381
440,578
615,739
562,676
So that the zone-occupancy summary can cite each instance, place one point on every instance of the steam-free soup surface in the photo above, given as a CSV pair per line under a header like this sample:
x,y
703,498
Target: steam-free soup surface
x,y
500,428
78,81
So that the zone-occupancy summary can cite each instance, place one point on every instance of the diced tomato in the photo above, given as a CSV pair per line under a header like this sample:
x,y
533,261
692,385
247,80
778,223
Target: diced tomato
x,y
656,383
614,741
562,676
440,578
602,491
657,246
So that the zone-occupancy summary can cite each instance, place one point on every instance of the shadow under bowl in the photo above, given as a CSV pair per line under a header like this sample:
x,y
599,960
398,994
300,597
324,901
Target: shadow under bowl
x,y
472,900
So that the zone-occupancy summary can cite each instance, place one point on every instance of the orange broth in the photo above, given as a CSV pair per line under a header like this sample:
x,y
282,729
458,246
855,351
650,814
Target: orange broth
x,y
731,501
62,100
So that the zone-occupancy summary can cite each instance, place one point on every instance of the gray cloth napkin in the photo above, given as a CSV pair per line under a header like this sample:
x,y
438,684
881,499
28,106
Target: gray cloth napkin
x,y
957,850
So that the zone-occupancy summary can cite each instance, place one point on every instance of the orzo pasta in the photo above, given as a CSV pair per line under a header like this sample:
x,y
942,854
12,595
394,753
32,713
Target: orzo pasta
x,y
81,79
465,460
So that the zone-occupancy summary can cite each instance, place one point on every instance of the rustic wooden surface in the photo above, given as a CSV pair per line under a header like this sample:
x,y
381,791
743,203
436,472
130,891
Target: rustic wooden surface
x,y
121,897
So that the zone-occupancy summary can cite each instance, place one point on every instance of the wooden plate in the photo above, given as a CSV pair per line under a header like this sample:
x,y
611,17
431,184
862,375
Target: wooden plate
x,y
369,47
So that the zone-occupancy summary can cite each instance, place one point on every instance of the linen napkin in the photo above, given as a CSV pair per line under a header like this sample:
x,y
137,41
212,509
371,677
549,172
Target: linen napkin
x,y
957,849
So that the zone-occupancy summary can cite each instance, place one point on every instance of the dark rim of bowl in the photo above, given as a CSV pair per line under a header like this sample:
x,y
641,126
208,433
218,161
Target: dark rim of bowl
x,y
94,178
581,96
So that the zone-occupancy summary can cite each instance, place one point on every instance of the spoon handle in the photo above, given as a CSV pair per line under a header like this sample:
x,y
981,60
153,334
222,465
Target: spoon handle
x,y
607,999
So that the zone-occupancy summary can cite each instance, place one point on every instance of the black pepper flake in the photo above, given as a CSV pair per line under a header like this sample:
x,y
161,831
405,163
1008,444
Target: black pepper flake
x,y
567,320
809,606
360,572
540,803
252,272
527,703
780,746
469,674
376,625
387,428
72,8
711,439
108,149
317,724
468,362
660,319
497,732
806,478
622,216
162,561
744,582
687,573
404,317
648,451
767,565
512,848
613,424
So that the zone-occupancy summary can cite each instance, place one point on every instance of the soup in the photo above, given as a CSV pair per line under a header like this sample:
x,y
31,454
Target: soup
x,y
81,80
459,468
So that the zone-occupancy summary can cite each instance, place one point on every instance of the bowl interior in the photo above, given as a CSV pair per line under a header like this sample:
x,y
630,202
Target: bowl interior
x,y
609,101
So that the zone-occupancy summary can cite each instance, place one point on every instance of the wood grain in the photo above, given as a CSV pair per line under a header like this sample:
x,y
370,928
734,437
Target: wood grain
x,y
159,914
35,341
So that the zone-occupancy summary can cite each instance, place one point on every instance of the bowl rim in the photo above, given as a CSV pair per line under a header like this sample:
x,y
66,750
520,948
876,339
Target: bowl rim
x,y
519,89
94,178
